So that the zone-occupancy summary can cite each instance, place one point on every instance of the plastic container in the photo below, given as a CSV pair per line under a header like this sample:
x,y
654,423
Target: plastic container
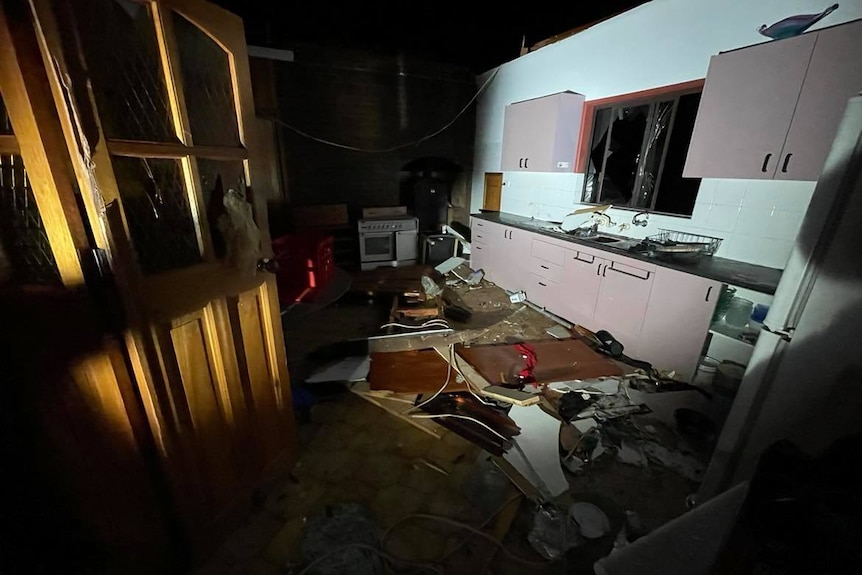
x,y
705,372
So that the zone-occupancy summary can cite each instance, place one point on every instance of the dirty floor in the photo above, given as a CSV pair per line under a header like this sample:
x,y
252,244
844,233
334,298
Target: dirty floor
x,y
424,497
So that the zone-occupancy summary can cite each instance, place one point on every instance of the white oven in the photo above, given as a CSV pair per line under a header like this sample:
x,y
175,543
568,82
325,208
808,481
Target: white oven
x,y
388,241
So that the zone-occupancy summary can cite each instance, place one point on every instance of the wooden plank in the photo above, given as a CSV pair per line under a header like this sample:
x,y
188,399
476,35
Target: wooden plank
x,y
417,371
9,145
168,150
398,407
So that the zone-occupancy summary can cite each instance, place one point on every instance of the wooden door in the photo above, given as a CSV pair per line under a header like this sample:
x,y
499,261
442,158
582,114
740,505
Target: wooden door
x,y
834,76
83,490
493,191
160,119
746,108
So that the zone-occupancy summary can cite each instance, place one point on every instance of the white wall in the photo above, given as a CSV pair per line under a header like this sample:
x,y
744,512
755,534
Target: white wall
x,y
659,43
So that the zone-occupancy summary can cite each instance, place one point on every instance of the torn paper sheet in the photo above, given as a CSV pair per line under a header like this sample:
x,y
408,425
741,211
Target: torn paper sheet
x,y
449,265
348,369
536,450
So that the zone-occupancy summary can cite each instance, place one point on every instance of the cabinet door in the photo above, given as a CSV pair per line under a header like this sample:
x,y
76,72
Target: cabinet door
x,y
677,320
513,259
542,291
746,108
834,75
622,303
580,287
528,134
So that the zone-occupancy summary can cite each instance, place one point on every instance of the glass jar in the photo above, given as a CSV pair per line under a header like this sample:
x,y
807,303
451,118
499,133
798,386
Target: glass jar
x,y
738,313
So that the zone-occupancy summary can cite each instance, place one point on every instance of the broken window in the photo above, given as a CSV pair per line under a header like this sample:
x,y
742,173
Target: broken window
x,y
637,152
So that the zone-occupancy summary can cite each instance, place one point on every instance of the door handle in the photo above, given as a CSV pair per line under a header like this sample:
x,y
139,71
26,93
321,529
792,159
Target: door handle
x,y
765,162
613,269
708,291
267,265
786,162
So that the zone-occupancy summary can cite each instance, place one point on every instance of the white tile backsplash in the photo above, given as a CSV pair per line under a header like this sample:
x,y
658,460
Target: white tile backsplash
x,y
729,193
783,224
757,220
722,218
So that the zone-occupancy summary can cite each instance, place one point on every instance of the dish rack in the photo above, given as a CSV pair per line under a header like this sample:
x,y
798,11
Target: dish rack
x,y
673,241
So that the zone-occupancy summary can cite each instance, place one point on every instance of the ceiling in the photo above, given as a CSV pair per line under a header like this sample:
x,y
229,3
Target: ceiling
x,y
436,31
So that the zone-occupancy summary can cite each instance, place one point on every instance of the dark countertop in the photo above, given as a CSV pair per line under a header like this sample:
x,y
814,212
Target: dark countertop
x,y
749,276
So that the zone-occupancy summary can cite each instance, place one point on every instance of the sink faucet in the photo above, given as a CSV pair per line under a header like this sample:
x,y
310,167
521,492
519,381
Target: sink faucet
x,y
640,222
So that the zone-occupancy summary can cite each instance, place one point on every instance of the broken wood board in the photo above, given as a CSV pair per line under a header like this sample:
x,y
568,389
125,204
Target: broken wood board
x,y
556,360
397,405
415,371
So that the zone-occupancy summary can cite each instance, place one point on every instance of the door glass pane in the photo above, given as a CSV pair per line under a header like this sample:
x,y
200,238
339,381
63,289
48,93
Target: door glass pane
x,y
158,213
5,124
232,176
25,254
119,42
207,85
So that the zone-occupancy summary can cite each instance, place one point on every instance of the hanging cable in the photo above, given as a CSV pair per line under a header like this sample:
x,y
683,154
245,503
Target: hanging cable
x,y
393,148
458,416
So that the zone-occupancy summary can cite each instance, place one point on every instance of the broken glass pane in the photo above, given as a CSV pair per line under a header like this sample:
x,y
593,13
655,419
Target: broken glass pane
x,y
119,43
649,169
159,214
232,176
207,85
24,246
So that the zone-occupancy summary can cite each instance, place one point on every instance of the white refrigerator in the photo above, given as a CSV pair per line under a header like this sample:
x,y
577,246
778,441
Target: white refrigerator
x,y
804,379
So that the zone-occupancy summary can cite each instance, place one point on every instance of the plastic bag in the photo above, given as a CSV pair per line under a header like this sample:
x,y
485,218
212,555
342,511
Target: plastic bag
x,y
241,234
553,532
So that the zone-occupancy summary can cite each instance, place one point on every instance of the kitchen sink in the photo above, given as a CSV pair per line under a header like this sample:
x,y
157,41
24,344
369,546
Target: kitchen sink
x,y
604,240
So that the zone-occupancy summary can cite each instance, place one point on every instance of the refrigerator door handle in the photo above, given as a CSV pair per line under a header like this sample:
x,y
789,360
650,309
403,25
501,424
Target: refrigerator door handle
x,y
785,333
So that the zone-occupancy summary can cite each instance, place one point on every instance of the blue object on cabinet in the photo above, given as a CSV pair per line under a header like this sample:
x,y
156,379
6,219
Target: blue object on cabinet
x,y
794,25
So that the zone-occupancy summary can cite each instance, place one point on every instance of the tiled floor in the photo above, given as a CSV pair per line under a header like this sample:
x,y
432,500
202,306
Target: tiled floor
x,y
355,453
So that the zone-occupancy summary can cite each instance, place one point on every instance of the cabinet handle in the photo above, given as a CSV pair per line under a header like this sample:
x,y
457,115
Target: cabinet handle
x,y
613,269
478,247
543,285
605,270
786,162
520,162
525,162
544,267
598,269
578,258
708,291
765,161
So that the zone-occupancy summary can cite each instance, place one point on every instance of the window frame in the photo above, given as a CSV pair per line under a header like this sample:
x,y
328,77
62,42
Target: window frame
x,y
650,96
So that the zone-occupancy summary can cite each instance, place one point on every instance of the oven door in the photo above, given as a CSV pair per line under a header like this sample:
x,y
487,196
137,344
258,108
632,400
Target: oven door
x,y
377,246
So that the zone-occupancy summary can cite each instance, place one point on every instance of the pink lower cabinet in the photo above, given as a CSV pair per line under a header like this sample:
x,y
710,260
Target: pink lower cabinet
x,y
512,259
677,321
624,294
542,292
580,287
485,241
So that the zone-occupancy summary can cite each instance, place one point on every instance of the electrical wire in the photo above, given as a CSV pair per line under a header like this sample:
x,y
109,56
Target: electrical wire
x,y
392,148
442,387
454,359
432,323
379,552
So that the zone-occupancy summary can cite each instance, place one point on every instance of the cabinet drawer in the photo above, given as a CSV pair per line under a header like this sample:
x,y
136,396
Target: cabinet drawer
x,y
549,252
546,269
542,291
